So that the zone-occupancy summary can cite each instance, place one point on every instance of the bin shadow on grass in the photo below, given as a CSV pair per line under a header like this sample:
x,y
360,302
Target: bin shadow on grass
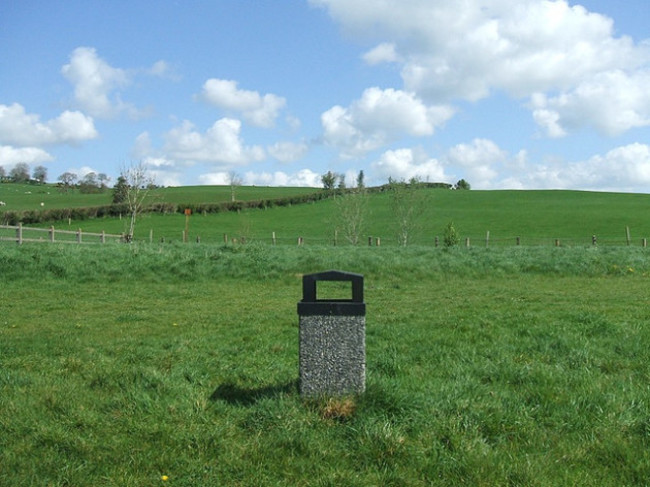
x,y
243,396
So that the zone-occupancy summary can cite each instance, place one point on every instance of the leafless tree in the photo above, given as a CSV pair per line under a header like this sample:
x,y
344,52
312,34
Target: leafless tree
x,y
234,180
407,203
138,185
352,209
68,180
40,174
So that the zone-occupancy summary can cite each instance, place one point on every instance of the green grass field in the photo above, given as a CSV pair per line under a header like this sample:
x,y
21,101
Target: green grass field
x,y
537,217
177,365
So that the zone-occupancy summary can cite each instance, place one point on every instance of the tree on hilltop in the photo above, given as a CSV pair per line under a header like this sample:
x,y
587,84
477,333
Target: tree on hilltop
x,y
329,180
67,180
40,174
462,184
20,173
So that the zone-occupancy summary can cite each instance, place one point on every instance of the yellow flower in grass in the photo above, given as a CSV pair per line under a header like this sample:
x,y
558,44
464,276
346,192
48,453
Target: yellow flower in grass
x,y
164,478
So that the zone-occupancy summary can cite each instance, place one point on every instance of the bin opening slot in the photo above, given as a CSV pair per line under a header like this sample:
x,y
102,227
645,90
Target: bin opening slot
x,y
334,291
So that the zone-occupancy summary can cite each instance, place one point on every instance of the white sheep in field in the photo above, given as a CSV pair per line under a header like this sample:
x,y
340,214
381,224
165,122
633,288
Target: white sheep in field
x,y
2,203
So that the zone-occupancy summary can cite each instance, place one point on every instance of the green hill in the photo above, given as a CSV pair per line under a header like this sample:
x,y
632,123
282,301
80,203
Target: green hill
x,y
536,217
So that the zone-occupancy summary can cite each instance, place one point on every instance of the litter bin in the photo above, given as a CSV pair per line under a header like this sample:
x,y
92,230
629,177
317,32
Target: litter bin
x,y
332,338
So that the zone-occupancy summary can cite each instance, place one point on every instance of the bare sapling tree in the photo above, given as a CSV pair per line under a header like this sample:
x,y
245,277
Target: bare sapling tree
x,y
138,185
234,180
407,203
352,209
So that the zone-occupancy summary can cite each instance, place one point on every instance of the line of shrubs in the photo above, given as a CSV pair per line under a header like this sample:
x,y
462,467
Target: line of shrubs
x,y
28,217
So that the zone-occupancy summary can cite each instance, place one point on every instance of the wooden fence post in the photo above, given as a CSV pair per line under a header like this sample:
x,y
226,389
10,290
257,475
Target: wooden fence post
x,y
273,238
467,242
644,242
627,235
51,232
369,241
79,235
557,242
436,241
19,234
518,240
593,240
225,238
487,239
102,239
300,241
378,242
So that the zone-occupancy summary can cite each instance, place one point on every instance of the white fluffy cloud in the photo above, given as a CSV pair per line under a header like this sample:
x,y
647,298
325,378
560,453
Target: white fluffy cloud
x,y
466,50
220,144
95,83
378,118
288,151
625,168
486,166
612,102
303,178
259,110
383,53
25,129
30,155
407,164
481,162
478,160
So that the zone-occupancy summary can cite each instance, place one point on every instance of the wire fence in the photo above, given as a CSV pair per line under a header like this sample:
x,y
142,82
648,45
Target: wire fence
x,y
276,238
21,234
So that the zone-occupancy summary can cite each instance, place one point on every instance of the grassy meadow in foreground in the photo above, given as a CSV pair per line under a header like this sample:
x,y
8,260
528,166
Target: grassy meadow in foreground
x,y
177,365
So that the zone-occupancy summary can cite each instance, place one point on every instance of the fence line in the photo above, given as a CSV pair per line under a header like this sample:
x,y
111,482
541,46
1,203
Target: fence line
x,y
26,234
77,236
489,240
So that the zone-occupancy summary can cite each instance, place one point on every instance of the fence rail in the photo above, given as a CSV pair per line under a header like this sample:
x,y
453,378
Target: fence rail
x,y
29,234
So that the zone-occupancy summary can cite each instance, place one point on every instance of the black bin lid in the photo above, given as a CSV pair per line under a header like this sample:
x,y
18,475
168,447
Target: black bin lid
x,y
311,305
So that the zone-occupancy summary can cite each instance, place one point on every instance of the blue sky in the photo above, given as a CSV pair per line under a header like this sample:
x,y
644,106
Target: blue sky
x,y
507,94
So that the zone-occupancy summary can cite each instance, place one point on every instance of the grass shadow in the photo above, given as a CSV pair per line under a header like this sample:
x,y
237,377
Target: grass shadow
x,y
242,396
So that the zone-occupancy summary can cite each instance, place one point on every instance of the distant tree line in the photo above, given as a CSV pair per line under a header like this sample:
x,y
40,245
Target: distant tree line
x,y
89,184
20,174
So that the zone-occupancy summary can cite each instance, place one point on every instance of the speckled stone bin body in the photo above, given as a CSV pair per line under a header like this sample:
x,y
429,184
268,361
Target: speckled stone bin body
x,y
332,355
332,339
